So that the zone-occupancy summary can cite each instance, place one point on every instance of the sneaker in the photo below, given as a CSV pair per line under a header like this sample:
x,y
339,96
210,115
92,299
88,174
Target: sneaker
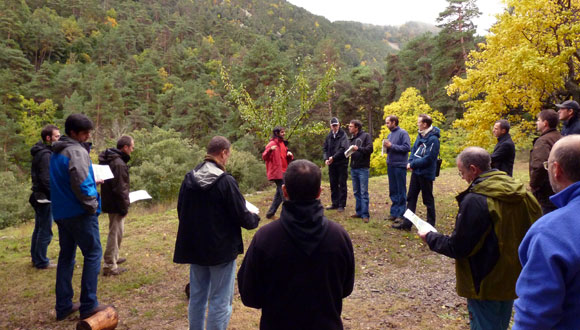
x,y
354,216
391,218
94,311
121,260
51,265
75,307
331,207
401,226
340,209
366,220
114,272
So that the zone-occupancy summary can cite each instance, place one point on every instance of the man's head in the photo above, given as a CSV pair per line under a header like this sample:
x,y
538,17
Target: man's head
x,y
501,127
302,181
392,122
279,132
424,121
568,109
219,148
355,126
547,119
473,161
564,162
334,124
126,144
50,134
78,127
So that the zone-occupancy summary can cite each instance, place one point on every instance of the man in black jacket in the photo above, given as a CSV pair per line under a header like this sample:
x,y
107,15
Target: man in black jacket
x,y
211,212
115,201
360,163
40,197
298,269
504,152
334,147
568,115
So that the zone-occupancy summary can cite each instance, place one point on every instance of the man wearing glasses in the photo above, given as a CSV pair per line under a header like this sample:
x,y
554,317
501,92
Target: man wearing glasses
x,y
568,115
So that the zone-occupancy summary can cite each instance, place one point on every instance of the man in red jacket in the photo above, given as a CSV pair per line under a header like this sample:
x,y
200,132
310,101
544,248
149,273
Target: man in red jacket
x,y
277,157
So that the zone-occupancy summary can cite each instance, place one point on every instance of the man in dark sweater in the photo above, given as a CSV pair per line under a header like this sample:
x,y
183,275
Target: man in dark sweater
x,y
360,163
398,145
504,151
298,269
334,147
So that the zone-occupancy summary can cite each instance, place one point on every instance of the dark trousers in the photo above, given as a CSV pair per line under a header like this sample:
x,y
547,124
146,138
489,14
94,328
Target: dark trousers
x,y
278,197
337,175
42,235
425,186
397,189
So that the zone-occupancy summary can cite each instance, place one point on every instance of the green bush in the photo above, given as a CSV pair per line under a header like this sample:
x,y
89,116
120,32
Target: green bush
x,y
247,170
14,206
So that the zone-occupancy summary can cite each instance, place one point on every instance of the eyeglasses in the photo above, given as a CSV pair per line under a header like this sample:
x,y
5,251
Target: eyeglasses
x,y
546,163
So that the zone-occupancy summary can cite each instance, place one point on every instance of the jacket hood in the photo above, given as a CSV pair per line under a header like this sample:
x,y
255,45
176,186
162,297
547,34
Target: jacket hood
x,y
204,176
435,131
40,147
305,222
498,185
66,141
112,153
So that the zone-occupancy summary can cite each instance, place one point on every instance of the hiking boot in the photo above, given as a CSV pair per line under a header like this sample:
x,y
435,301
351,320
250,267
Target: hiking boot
x,y
391,218
401,226
340,209
75,307
121,260
331,207
365,220
50,265
354,216
270,215
114,272
94,311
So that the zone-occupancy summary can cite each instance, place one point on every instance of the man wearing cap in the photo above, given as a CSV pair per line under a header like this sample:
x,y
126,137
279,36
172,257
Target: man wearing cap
x,y
334,147
398,145
568,115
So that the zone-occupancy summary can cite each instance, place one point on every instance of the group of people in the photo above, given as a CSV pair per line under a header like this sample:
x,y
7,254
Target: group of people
x,y
64,189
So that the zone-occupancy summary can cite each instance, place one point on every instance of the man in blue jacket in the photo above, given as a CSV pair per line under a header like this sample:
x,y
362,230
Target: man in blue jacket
x,y
76,207
423,164
398,146
549,284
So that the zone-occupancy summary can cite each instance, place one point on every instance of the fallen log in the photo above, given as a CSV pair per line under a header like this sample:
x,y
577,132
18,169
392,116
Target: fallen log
x,y
106,319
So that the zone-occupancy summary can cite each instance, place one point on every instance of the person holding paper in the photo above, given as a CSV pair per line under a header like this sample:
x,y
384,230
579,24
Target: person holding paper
x,y
115,201
277,156
334,147
211,211
360,163
495,212
40,197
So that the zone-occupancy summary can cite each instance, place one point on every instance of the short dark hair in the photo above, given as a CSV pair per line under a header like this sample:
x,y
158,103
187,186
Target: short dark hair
x,y
302,180
551,116
47,131
218,144
124,140
357,124
276,131
77,122
394,119
568,156
425,118
476,156
504,124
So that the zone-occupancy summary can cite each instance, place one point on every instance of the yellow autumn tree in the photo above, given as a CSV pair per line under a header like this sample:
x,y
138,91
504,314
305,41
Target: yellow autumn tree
x,y
409,106
531,59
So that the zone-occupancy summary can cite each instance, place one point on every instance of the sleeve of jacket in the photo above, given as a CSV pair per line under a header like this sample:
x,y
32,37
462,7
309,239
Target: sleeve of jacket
x,y
120,185
471,224
236,204
249,281
44,174
367,145
538,174
349,278
541,287
413,150
267,154
82,181
403,145
430,156
342,146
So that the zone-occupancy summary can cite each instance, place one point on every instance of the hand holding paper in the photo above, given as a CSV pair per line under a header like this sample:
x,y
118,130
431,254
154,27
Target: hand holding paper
x,y
422,225
102,173
252,208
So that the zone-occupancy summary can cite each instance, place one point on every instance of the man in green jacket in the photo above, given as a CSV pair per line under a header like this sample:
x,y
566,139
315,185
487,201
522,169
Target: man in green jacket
x,y
495,212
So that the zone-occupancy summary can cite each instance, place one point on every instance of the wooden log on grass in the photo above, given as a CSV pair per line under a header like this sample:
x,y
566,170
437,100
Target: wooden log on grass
x,y
104,320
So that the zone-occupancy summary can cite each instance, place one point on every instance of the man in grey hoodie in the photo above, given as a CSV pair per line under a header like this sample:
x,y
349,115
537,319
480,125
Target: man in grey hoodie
x,y
398,145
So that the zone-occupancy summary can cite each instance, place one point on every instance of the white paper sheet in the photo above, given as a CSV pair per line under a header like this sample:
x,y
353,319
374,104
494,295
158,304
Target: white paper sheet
x,y
252,208
138,195
422,225
102,172
349,151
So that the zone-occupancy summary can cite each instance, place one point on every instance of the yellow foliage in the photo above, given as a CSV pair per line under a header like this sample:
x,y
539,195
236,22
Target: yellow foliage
x,y
528,56
162,73
166,87
111,21
347,46
34,117
409,106
363,63
316,24
209,39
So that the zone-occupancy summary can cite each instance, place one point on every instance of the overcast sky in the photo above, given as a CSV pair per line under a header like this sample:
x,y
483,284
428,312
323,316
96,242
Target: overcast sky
x,y
394,12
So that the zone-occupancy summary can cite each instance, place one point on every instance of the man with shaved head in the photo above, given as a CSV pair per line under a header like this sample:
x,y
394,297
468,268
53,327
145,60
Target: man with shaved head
x,y
549,285
494,214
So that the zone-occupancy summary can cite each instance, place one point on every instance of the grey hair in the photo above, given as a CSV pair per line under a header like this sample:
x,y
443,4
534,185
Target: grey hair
x,y
476,156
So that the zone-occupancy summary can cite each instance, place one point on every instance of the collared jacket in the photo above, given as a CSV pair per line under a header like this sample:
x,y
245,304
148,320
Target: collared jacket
x,y
398,153
115,191
362,157
495,213
298,269
549,284
334,146
539,181
504,154
423,158
571,126
276,160
72,181
39,172
211,211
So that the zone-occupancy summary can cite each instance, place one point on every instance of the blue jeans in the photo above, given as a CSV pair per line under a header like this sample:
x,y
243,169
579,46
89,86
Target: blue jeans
x,y
42,235
397,190
216,284
81,231
489,314
360,187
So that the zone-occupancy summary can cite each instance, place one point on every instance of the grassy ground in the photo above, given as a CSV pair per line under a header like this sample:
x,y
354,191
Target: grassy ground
x,y
399,283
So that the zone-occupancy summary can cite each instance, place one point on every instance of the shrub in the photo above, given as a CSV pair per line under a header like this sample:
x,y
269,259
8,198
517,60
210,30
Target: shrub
x,y
247,170
14,206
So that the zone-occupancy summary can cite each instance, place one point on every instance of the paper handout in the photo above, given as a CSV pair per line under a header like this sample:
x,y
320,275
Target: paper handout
x,y
102,172
252,208
138,195
422,225
349,151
